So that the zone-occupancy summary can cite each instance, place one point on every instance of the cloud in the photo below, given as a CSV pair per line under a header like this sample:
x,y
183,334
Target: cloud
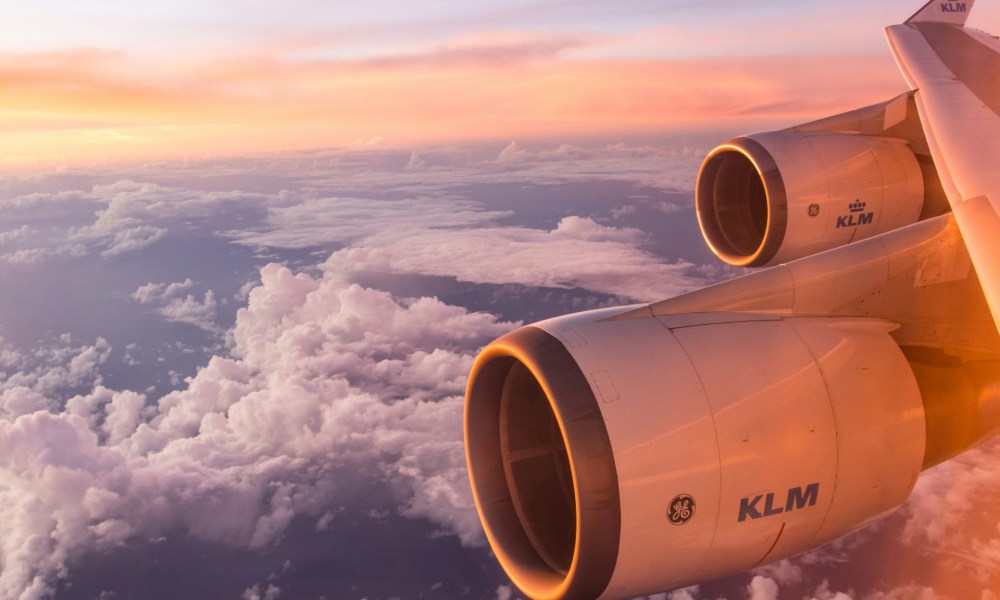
x,y
333,398
200,313
953,515
512,154
584,229
132,239
258,592
172,305
12,235
152,292
133,204
458,195
906,592
784,572
945,541
688,593
337,197
578,253
329,220
762,588
505,592
823,592
113,219
331,388
487,49
29,379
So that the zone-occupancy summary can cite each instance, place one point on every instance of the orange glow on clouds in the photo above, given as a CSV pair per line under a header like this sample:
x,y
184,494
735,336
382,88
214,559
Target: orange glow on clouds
x,y
87,105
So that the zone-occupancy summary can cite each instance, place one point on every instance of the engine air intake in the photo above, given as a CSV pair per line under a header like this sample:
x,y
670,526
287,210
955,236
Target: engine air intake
x,y
541,465
536,466
732,205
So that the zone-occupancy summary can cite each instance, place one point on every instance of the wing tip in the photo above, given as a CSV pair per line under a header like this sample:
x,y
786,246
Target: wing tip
x,y
952,12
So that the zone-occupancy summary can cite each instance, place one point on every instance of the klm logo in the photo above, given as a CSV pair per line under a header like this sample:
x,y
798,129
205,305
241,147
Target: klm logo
x,y
764,505
953,7
856,217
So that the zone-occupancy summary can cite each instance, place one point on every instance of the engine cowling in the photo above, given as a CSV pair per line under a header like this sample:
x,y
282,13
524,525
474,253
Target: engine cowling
x,y
616,457
773,197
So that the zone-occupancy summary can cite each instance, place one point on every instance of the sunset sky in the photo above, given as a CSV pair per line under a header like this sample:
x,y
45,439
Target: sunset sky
x,y
250,249
107,80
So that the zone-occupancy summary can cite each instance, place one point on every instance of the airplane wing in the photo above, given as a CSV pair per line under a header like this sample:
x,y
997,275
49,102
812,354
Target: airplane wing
x,y
955,72
624,451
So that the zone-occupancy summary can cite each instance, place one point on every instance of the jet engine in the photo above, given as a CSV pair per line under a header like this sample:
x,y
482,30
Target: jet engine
x,y
613,455
773,197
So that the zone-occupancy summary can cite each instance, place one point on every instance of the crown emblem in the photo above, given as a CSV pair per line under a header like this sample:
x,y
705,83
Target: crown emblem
x,y
857,206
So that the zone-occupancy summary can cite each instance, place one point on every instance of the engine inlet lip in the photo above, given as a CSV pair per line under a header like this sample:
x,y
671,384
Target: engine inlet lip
x,y
591,459
776,198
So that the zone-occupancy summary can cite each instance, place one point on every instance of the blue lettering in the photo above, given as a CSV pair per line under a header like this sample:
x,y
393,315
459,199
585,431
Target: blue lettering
x,y
799,499
770,509
848,220
748,508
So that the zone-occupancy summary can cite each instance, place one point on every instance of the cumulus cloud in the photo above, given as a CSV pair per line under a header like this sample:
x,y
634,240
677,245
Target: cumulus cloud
x,y
823,592
907,592
953,514
29,379
258,592
152,292
762,588
172,305
688,593
784,572
329,386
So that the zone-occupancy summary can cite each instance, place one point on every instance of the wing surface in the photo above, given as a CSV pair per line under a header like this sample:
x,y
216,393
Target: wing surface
x,y
956,74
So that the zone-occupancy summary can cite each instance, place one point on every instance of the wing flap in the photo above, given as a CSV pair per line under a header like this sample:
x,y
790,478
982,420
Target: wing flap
x,y
955,73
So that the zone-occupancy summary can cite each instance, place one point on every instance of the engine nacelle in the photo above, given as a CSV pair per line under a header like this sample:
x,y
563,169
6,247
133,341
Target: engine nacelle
x,y
617,457
773,197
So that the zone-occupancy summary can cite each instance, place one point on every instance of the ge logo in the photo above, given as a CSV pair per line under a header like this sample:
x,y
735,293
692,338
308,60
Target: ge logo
x,y
814,210
681,510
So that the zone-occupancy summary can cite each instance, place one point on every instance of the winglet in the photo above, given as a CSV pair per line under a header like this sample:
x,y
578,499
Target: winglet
x,y
953,12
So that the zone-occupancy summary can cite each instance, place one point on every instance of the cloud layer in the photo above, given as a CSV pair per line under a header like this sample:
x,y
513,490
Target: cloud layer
x,y
331,388
336,400
578,253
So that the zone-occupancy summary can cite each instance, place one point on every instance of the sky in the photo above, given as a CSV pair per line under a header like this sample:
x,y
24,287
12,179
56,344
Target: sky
x,y
103,80
249,251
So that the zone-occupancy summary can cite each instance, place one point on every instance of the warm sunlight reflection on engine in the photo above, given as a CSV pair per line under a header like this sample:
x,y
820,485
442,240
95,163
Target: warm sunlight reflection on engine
x,y
536,466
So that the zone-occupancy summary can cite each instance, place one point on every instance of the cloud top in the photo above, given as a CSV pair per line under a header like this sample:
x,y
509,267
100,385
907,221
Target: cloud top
x,y
330,386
